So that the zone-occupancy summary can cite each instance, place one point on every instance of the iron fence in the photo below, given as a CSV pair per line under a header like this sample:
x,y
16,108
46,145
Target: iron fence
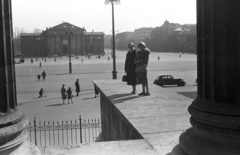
x,y
63,132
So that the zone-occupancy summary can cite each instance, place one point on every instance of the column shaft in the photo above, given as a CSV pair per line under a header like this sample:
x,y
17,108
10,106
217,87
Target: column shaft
x,y
13,124
7,70
215,113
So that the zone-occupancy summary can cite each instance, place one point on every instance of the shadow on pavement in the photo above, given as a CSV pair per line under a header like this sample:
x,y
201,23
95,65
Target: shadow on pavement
x,y
40,100
115,96
54,105
119,98
124,99
192,95
88,98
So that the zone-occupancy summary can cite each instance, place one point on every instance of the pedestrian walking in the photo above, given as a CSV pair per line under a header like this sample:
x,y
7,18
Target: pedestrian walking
x,y
38,77
141,60
130,67
158,57
69,95
31,60
45,59
41,93
44,75
82,61
77,86
63,93
40,64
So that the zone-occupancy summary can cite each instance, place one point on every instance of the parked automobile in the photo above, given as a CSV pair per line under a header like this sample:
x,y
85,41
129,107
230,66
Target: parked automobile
x,y
168,80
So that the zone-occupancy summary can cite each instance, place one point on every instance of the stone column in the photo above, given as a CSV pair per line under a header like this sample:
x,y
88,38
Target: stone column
x,y
13,124
215,114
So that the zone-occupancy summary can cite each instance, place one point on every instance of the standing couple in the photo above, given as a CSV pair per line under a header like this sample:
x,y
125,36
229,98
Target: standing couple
x,y
136,67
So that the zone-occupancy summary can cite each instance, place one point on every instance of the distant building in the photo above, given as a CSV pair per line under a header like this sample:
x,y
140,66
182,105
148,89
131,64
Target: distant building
x,y
56,40
32,44
122,39
108,41
94,42
142,34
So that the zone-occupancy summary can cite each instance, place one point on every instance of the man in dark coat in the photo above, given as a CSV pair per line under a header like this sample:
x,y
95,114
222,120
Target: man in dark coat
x,y
130,67
63,93
77,87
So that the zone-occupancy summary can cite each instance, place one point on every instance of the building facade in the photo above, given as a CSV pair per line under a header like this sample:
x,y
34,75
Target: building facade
x,y
94,42
141,34
122,39
61,40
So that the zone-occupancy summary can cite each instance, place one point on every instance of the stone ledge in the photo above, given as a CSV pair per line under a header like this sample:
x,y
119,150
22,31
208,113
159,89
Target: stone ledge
x,y
160,118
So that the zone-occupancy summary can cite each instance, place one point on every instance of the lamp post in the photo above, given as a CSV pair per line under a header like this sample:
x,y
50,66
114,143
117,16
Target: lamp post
x,y
69,47
114,72
91,45
146,36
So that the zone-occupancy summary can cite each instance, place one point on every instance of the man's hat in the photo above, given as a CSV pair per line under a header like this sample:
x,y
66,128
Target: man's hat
x,y
142,43
131,44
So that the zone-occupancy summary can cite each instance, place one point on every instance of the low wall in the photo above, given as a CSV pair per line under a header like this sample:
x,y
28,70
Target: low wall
x,y
115,126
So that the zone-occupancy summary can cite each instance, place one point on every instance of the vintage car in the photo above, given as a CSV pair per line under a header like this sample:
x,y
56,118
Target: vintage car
x,y
168,80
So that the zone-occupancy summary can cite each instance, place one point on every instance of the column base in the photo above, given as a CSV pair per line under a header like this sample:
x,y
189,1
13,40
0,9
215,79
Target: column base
x,y
196,141
27,148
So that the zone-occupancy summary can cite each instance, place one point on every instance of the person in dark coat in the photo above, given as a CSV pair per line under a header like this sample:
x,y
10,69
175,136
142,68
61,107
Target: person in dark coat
x,y
141,60
41,92
77,87
69,95
63,93
44,75
130,67
38,77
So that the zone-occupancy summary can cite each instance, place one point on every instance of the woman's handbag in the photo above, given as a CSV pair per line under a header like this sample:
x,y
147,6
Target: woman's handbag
x,y
140,68
124,78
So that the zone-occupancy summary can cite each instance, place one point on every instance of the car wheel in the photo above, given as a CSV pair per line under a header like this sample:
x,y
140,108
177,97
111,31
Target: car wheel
x,y
181,83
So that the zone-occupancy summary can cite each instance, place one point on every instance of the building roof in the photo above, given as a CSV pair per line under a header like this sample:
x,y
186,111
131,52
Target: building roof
x,y
30,34
62,25
144,28
93,33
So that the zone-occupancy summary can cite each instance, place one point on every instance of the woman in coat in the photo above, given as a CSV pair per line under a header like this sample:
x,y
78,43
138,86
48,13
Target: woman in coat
x,y
69,95
141,60
130,67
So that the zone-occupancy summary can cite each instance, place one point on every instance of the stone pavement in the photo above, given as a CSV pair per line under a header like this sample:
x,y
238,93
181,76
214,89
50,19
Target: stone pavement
x,y
160,118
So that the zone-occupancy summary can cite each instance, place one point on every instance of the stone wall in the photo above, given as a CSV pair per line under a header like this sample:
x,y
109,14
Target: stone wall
x,y
115,126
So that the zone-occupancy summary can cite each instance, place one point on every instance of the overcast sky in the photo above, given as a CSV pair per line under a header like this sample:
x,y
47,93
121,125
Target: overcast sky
x,y
95,15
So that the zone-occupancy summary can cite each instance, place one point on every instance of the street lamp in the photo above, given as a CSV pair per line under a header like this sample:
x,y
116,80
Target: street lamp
x,y
69,46
114,72
147,37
